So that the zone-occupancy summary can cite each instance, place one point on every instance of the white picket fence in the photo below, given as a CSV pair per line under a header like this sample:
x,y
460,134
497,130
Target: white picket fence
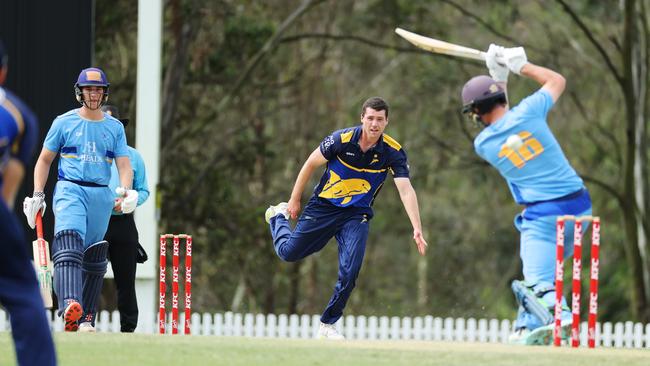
x,y
427,328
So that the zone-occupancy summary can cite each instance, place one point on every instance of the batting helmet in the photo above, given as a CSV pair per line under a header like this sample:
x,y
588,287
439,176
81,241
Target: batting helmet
x,y
91,77
480,94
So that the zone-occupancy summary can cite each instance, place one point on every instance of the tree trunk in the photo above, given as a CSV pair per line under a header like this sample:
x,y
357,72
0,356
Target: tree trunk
x,y
640,81
183,30
634,90
639,301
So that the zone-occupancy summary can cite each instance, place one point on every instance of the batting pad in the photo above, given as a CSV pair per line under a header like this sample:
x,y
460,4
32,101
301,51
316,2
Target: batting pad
x,y
531,299
67,257
94,268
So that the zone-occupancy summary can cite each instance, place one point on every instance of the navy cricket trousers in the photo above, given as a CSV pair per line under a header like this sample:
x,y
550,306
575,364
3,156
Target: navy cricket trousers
x,y
320,221
21,297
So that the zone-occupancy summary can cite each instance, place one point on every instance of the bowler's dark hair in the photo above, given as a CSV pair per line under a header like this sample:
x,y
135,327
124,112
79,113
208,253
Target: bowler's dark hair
x,y
375,103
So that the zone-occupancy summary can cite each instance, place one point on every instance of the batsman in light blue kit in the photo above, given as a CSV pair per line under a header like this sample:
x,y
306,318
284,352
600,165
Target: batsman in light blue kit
x,y
358,161
87,142
520,145
19,290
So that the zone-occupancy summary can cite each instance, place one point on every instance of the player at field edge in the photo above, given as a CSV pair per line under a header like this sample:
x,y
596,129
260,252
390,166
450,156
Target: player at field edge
x,y
358,161
124,249
87,141
520,145
19,289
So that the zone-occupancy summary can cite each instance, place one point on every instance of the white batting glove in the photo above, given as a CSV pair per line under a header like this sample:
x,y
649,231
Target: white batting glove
x,y
496,64
515,59
121,191
31,206
130,200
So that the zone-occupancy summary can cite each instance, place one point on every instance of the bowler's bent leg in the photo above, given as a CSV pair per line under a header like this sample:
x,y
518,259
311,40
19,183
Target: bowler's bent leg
x,y
316,226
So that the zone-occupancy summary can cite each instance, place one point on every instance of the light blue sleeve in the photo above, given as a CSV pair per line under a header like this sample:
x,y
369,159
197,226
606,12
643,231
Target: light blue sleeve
x,y
139,176
478,144
53,140
537,104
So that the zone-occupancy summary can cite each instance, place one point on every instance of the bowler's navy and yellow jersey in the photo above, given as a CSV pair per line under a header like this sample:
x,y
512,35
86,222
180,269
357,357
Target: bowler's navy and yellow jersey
x,y
18,130
352,177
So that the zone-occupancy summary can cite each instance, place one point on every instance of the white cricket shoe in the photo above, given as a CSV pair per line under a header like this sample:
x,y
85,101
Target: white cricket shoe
x,y
328,331
86,327
272,211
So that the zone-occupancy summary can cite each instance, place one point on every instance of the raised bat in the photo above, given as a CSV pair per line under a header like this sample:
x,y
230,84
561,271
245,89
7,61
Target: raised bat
x,y
42,263
442,47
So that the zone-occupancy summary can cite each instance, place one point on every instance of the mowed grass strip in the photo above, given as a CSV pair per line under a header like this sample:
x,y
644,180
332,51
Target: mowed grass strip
x,y
138,349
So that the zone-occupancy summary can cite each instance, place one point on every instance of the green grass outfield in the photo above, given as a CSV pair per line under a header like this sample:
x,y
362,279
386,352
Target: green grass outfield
x,y
137,349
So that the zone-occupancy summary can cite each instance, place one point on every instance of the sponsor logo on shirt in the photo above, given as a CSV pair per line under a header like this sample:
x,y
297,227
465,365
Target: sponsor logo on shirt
x,y
90,153
329,141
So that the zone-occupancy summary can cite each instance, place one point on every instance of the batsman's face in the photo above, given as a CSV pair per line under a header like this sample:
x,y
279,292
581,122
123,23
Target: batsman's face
x,y
93,96
373,123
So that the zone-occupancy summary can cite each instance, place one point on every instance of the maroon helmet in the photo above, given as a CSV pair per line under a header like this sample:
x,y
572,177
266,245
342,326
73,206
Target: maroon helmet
x,y
480,94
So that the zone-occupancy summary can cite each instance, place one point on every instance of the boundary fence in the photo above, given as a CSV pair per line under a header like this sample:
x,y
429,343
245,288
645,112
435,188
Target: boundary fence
x,y
426,328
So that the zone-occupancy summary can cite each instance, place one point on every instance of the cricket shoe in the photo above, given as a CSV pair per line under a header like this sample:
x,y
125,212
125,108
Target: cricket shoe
x,y
86,327
71,316
543,336
519,336
329,331
273,211
87,324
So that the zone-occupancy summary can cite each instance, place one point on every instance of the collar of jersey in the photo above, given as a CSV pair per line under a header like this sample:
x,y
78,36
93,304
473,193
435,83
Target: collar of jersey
x,y
78,110
378,147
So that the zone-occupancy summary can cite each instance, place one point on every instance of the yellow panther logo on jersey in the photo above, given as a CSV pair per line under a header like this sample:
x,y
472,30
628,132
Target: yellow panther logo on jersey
x,y
344,188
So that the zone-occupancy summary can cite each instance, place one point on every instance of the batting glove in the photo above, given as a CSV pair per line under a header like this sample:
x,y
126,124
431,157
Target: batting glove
x,y
130,200
515,59
31,206
496,64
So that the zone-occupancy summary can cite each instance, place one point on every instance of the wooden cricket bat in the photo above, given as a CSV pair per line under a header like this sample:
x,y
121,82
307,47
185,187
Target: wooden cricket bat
x,y
442,47
42,263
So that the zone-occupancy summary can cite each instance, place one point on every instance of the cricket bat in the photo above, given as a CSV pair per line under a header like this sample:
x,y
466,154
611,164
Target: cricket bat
x,y
42,263
442,47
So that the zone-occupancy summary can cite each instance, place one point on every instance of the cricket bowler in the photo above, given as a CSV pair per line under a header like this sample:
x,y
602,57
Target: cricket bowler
x,y
358,160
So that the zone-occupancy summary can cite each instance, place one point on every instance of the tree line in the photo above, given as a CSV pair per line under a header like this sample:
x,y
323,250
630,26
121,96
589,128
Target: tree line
x,y
250,88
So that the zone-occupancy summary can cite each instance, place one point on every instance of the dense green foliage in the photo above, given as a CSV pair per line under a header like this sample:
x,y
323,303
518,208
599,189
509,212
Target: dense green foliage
x,y
250,91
